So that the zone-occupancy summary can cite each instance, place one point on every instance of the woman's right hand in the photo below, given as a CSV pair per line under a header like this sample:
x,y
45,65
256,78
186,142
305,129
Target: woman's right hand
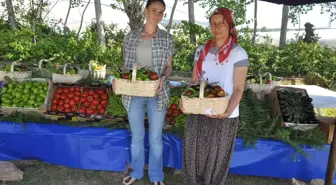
x,y
194,82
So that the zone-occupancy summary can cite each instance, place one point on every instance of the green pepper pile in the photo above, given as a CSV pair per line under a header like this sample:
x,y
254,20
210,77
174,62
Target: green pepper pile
x,y
115,106
209,91
296,107
28,94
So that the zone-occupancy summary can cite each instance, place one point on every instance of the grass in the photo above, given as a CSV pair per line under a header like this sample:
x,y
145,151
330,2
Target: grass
x,y
46,174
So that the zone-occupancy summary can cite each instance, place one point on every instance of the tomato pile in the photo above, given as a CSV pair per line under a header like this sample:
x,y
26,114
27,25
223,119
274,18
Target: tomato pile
x,y
173,110
66,99
142,74
93,101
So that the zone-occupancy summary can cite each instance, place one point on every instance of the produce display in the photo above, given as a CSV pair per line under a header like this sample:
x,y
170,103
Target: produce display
x,y
115,106
174,111
94,101
296,107
142,74
210,91
96,66
66,99
28,94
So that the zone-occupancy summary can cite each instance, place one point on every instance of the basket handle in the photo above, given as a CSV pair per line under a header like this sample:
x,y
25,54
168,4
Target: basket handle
x,y
13,65
90,65
64,68
260,80
202,87
269,75
134,72
44,60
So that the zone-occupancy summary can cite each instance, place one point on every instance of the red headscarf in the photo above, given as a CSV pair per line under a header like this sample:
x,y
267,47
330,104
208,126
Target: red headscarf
x,y
225,50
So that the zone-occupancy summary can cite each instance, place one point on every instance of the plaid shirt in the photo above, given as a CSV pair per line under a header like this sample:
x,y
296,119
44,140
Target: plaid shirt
x,y
162,48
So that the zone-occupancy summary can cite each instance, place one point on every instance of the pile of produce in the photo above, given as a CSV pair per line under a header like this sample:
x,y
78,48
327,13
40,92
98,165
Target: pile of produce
x,y
173,110
97,67
115,106
142,74
66,99
94,101
210,91
296,107
29,94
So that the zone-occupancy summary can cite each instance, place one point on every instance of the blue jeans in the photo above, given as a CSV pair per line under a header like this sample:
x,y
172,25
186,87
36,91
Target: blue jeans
x,y
136,116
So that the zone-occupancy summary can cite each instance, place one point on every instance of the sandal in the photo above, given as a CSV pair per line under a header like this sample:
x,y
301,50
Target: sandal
x,y
158,183
128,180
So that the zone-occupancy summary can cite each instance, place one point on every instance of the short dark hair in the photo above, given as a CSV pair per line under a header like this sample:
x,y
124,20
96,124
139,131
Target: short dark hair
x,y
149,2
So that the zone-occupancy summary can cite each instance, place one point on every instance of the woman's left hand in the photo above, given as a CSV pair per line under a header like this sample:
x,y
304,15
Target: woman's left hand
x,y
219,116
161,85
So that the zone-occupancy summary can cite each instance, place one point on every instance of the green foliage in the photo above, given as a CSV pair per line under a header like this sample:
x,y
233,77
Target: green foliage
x,y
295,59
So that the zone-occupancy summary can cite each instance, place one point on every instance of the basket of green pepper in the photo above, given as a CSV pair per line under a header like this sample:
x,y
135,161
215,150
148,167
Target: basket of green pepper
x,y
139,82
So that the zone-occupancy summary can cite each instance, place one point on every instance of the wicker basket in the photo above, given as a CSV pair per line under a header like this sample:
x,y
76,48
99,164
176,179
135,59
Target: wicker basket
x,y
97,74
42,72
134,87
17,75
65,78
255,87
201,105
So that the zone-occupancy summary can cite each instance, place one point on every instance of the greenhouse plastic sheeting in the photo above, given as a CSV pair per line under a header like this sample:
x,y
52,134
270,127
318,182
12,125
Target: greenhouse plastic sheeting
x,y
109,149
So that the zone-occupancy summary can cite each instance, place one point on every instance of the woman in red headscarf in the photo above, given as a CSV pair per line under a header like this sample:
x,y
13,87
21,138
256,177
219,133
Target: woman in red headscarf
x,y
209,139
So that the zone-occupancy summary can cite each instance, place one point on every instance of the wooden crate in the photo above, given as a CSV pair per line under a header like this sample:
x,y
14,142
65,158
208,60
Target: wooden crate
x,y
327,125
274,102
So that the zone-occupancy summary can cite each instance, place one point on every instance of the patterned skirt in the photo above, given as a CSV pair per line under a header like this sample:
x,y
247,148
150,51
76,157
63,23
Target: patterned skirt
x,y
207,149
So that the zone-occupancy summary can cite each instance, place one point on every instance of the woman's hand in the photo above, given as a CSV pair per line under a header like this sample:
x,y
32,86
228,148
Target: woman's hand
x,y
162,79
220,116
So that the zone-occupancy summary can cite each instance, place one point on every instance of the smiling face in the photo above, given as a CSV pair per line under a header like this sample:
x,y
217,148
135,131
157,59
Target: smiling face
x,y
219,27
154,13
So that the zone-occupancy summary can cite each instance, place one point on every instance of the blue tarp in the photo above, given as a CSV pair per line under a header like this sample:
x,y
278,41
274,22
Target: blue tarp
x,y
109,150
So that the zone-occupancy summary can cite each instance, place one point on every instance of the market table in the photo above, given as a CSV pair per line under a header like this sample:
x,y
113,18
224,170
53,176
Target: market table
x,y
109,150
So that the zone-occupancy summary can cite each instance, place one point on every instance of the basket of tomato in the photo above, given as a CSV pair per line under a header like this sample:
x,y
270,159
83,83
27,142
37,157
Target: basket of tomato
x,y
139,82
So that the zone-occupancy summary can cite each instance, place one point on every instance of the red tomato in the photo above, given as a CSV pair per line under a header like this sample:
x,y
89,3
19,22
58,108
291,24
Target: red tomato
x,y
100,106
57,96
70,95
54,101
77,89
103,102
60,108
89,111
65,90
101,111
76,98
72,102
66,100
67,110
85,94
91,92
66,105
72,89
60,102
89,98
87,104
83,99
63,96
82,111
77,94
54,107
96,95
59,90
95,102
100,91
73,108
82,108
104,96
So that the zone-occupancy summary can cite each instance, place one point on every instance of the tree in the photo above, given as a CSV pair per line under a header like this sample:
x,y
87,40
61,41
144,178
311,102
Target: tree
x,y
100,24
191,13
172,16
11,14
284,23
255,21
133,10
238,8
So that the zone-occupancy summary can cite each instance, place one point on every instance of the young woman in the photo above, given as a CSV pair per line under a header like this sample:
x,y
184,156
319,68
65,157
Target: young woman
x,y
221,60
152,48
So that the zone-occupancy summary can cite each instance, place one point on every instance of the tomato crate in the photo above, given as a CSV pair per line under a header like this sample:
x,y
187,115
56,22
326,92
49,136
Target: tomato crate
x,y
65,100
274,101
93,102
